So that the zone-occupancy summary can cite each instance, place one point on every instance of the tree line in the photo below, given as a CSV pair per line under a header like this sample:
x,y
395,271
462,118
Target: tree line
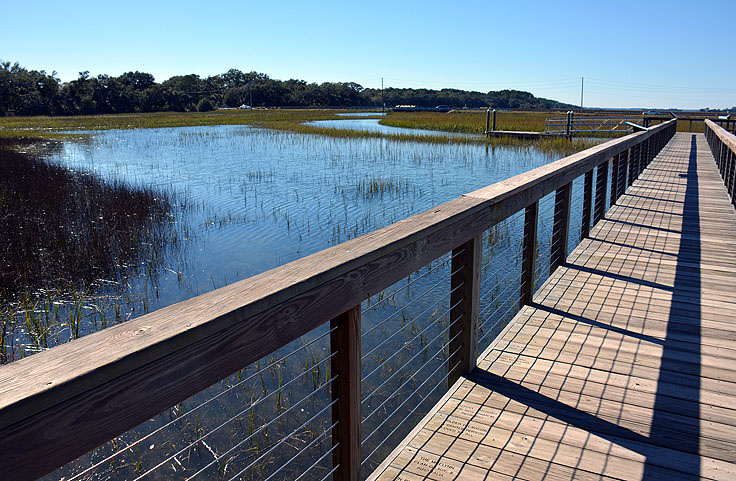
x,y
33,92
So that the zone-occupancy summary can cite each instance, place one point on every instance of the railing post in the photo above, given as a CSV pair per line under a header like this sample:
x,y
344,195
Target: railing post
x,y
560,227
732,172
587,204
567,126
635,169
733,178
345,343
572,123
622,167
529,254
465,301
494,120
601,181
645,154
721,161
488,120
632,167
615,171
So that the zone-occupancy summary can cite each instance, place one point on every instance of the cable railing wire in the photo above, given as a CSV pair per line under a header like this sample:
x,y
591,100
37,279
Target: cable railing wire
x,y
201,405
499,319
305,448
481,314
406,286
416,298
269,450
321,458
440,299
330,473
375,430
418,370
503,280
449,371
496,255
429,326
249,407
498,296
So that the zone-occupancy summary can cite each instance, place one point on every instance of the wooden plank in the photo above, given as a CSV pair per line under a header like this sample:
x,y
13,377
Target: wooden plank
x,y
528,254
601,180
587,204
345,366
569,445
560,227
634,385
464,302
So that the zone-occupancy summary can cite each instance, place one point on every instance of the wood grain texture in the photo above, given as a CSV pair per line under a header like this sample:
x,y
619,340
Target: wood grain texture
x,y
625,364
587,204
560,227
465,301
601,180
528,254
345,345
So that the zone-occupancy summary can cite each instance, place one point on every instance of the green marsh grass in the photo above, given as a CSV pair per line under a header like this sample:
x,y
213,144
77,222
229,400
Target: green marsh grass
x,y
293,120
65,235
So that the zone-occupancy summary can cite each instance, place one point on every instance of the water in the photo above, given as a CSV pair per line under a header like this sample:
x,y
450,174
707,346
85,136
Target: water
x,y
372,125
262,198
361,114
252,199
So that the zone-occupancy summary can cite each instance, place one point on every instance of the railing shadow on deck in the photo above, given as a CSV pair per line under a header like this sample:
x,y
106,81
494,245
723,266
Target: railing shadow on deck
x,y
686,286
58,405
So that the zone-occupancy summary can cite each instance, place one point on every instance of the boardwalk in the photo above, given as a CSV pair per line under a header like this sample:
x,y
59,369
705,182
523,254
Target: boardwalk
x,y
625,365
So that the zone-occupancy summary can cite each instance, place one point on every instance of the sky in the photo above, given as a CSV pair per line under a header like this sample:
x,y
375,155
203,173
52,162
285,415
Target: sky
x,y
645,53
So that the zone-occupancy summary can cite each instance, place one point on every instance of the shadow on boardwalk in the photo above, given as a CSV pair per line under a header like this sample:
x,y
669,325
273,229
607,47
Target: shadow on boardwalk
x,y
675,421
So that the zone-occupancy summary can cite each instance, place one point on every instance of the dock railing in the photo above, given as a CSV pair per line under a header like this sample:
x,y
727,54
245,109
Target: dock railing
x,y
723,146
572,125
57,405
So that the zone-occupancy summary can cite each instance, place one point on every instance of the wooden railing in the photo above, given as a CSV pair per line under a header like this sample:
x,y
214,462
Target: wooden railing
x,y
723,145
59,404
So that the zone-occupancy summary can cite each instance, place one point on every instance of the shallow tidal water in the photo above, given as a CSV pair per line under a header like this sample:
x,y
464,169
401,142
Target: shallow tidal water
x,y
258,198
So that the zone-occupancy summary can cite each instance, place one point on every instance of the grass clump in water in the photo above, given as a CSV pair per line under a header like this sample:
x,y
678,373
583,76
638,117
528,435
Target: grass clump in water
x,y
65,234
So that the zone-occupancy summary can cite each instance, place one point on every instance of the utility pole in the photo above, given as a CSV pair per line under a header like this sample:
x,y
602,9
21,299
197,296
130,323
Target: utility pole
x,y
582,80
383,104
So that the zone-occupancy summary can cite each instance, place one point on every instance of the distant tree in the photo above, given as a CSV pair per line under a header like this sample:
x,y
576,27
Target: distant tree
x,y
205,105
30,92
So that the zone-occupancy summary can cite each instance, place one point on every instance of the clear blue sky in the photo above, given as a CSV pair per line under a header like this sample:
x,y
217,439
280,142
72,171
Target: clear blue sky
x,y
645,53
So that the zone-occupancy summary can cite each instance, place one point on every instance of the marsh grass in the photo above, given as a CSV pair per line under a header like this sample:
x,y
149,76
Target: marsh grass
x,y
471,122
293,120
64,235
54,127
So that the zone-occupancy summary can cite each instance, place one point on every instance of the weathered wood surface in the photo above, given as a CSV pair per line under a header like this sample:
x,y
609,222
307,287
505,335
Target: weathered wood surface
x,y
625,365
345,367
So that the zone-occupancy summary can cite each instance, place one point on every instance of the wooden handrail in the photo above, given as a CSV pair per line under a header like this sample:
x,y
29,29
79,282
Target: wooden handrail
x,y
61,403
724,135
723,146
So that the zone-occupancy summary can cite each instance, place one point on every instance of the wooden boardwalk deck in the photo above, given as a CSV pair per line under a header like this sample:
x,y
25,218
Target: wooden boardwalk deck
x,y
625,365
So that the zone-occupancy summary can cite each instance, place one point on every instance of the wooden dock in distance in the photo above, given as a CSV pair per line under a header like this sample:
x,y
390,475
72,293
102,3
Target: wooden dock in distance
x,y
522,134
624,366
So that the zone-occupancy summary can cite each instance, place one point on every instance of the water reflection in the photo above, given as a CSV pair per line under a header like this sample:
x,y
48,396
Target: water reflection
x,y
372,125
